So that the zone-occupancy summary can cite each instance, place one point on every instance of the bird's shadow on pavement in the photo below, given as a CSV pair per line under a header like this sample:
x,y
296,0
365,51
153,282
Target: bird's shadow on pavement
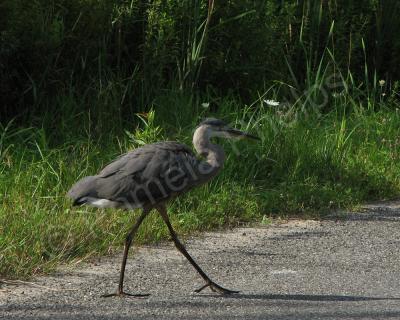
x,y
377,213
303,297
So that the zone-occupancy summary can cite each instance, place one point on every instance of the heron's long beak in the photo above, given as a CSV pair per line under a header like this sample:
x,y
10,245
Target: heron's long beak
x,y
240,134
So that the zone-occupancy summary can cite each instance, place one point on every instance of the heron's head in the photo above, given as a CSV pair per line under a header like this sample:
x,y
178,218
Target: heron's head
x,y
218,128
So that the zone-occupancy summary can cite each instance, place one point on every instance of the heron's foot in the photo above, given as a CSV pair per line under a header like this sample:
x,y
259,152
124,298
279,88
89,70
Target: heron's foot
x,y
215,288
124,294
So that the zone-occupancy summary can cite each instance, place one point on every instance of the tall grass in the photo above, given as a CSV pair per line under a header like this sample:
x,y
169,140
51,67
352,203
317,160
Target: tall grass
x,y
236,47
124,74
303,165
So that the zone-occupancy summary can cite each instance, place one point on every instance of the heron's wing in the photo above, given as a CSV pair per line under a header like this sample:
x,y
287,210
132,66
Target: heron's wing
x,y
137,160
148,174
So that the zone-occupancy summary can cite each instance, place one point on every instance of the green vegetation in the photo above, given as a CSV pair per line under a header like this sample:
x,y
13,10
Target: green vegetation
x,y
307,165
84,81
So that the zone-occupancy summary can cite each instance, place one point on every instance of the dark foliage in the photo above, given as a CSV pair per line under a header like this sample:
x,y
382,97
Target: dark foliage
x,y
139,47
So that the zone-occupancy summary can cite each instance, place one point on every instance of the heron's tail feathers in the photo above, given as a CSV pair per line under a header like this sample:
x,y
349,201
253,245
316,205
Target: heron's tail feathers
x,y
82,189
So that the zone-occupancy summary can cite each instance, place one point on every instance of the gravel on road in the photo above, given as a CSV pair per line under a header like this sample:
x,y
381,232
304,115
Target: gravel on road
x,y
346,266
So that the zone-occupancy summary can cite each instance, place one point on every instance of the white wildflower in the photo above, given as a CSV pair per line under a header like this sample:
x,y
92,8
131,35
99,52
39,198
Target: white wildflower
x,y
272,103
382,82
205,105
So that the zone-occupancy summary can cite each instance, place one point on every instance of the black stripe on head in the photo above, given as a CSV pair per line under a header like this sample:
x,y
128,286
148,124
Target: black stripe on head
x,y
212,122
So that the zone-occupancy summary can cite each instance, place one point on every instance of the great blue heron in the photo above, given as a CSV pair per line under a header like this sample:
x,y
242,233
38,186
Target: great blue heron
x,y
149,176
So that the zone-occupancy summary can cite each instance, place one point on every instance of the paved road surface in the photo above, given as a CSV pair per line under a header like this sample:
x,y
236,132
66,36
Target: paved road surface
x,y
339,268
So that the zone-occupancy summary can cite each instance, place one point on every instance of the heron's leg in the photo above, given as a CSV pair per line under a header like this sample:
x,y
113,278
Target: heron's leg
x,y
209,283
128,243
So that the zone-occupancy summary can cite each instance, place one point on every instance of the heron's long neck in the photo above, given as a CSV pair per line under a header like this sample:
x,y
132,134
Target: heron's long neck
x,y
214,154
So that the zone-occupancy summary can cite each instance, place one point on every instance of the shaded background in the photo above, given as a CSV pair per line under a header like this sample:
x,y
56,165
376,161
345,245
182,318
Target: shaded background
x,y
135,49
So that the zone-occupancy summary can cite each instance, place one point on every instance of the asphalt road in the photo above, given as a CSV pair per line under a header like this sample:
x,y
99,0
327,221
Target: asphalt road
x,y
339,268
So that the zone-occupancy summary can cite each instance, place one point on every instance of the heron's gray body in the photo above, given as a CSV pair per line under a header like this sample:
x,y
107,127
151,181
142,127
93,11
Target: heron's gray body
x,y
145,176
149,176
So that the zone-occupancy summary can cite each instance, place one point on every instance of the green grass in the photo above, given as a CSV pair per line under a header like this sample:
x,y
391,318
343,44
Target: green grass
x,y
303,165
75,74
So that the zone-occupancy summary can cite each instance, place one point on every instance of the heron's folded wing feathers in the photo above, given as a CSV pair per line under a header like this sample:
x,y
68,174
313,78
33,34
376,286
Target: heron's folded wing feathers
x,y
143,173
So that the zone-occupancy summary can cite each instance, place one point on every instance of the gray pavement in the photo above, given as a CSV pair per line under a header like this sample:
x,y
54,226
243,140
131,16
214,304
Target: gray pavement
x,y
343,267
